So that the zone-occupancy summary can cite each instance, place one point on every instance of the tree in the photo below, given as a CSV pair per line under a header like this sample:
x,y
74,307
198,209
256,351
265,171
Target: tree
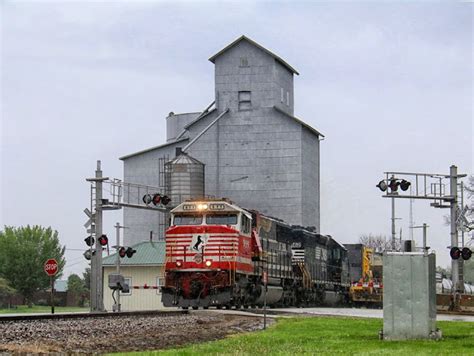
x,y
469,187
5,289
23,252
379,243
5,292
445,272
86,276
75,284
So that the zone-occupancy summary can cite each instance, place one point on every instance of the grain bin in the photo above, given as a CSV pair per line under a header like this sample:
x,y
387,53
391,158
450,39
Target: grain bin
x,y
184,176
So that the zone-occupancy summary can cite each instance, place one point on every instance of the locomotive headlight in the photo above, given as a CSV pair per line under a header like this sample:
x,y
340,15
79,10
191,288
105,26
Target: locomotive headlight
x,y
179,263
202,206
208,263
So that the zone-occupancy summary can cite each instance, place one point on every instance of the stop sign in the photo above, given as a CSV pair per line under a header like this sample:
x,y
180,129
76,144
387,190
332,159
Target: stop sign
x,y
51,267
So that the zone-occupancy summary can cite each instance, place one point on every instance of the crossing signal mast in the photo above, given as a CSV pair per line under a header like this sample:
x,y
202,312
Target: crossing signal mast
x,y
442,191
122,194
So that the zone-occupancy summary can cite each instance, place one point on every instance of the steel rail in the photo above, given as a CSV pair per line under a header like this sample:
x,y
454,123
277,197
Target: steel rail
x,y
47,316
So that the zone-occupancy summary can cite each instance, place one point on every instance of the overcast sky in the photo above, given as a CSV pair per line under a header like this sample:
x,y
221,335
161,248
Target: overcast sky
x,y
390,86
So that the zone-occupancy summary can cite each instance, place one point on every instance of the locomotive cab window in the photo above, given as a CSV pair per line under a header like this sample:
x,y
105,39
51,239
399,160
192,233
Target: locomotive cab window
x,y
187,220
221,219
245,224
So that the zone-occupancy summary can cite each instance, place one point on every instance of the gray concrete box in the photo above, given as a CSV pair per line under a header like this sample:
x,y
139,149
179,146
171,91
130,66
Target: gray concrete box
x,y
409,296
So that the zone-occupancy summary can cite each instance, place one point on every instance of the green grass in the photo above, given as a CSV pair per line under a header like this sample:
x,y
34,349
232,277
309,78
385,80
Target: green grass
x,y
333,335
41,309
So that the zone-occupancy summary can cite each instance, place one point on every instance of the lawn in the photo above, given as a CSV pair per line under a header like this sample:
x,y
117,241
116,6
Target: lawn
x,y
334,335
41,309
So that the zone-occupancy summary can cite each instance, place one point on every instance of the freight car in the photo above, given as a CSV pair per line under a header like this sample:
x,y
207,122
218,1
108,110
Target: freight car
x,y
219,254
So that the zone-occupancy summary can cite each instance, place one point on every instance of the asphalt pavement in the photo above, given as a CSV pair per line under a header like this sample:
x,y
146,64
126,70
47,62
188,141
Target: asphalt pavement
x,y
362,313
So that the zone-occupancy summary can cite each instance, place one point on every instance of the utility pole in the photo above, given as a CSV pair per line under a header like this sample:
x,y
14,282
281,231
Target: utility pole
x,y
425,229
458,284
97,300
462,205
117,260
393,225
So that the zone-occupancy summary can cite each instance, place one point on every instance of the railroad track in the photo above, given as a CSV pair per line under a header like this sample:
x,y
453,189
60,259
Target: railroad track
x,y
45,316
256,312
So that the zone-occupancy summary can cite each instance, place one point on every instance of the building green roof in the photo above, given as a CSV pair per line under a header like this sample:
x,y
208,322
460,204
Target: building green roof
x,y
148,253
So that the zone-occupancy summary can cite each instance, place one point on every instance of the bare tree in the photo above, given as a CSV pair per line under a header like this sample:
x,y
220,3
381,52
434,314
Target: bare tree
x,y
469,201
379,243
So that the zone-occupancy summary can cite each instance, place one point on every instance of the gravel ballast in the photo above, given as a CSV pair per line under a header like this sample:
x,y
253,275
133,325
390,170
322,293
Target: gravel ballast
x,y
128,333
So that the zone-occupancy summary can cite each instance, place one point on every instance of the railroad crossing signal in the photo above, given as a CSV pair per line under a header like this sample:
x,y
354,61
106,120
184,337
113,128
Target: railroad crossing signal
x,y
88,255
89,240
103,240
456,253
156,199
393,184
129,252
462,223
91,217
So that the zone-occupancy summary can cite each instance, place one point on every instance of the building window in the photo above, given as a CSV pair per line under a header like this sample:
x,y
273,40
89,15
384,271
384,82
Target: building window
x,y
160,282
288,98
245,102
128,280
244,62
282,93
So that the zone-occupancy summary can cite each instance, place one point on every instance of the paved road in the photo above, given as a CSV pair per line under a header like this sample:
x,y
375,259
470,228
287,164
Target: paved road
x,y
362,313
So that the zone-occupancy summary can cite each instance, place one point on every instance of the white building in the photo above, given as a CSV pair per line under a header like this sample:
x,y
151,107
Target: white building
x,y
144,273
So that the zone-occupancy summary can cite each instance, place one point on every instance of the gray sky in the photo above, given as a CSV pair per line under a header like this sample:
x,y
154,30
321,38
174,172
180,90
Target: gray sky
x,y
390,85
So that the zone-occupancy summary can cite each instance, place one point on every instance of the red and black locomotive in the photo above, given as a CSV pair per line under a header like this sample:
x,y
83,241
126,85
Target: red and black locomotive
x,y
218,254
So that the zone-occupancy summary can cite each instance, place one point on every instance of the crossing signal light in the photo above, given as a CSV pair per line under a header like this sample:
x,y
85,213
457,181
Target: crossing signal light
x,y
393,185
130,252
156,199
455,253
382,185
89,240
466,253
147,199
88,255
103,240
404,185
165,200
122,252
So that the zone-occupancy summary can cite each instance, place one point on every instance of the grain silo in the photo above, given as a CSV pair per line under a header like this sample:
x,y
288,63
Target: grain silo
x,y
184,177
